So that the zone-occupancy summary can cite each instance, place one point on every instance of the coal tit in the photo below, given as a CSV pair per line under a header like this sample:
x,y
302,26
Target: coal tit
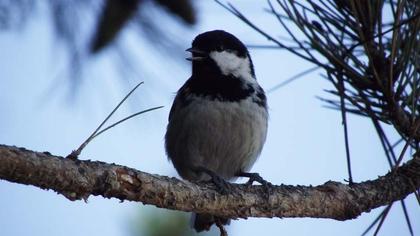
x,y
218,120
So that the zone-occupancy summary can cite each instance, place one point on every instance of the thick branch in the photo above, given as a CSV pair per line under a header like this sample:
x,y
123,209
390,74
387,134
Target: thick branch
x,y
76,179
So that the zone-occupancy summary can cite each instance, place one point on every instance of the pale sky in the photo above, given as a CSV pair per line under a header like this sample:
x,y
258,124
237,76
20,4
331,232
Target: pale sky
x,y
304,144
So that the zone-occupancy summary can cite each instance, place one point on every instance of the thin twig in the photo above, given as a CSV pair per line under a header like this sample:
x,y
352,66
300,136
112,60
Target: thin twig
x,y
407,144
75,153
375,221
382,219
407,217
126,118
344,121
403,22
293,78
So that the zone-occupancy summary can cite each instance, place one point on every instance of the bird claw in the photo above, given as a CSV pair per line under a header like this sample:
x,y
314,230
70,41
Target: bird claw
x,y
255,177
222,186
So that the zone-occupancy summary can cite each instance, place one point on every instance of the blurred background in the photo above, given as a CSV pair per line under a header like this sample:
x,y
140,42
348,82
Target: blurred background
x,y
61,74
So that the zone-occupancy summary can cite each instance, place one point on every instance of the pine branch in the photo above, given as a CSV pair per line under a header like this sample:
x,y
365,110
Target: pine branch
x,y
77,179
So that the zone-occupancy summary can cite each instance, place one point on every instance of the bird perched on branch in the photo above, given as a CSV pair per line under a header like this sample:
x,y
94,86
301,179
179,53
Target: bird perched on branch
x,y
218,121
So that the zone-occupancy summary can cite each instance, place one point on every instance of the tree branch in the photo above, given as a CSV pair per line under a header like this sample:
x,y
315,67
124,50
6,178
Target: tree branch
x,y
77,179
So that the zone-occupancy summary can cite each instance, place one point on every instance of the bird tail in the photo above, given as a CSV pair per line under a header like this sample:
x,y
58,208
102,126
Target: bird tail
x,y
201,222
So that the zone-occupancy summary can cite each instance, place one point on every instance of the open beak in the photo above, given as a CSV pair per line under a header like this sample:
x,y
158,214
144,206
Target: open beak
x,y
197,55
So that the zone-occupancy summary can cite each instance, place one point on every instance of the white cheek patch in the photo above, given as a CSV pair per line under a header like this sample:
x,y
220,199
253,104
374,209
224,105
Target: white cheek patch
x,y
230,63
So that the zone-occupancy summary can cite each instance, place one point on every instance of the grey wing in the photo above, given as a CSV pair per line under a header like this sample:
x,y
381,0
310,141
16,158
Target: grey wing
x,y
173,108
180,100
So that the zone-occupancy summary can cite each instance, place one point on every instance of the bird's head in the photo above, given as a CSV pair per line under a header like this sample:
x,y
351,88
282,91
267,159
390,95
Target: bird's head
x,y
221,52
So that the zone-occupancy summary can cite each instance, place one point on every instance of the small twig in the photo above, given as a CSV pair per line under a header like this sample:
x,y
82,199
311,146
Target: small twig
x,y
384,215
75,153
397,143
293,78
402,22
374,221
126,118
407,144
389,153
341,90
407,218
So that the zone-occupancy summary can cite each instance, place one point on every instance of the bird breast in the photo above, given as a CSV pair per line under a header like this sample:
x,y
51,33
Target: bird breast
x,y
225,137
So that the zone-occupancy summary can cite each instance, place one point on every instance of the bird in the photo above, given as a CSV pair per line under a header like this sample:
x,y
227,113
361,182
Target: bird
x,y
217,124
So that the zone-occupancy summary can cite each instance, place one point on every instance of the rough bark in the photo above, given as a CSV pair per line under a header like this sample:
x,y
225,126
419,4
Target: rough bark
x,y
77,179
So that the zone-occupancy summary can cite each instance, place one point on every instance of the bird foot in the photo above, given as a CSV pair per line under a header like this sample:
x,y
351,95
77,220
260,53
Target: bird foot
x,y
222,185
255,177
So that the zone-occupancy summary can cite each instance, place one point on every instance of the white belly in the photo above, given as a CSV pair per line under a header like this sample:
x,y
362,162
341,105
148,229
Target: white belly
x,y
225,137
